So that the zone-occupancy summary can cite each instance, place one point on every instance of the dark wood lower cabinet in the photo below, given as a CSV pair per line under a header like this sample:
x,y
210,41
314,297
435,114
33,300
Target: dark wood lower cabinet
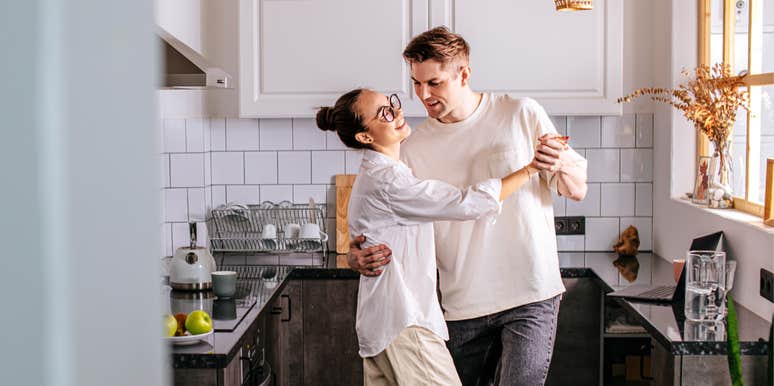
x,y
234,374
311,337
577,350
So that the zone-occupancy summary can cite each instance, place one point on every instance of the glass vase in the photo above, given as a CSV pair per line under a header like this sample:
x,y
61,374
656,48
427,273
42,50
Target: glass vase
x,y
719,189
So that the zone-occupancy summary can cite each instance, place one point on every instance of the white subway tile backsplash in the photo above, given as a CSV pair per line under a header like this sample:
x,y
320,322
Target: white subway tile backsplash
x,y
175,205
302,194
276,134
617,200
589,206
243,194
165,172
206,134
207,168
227,168
601,233
604,165
644,227
218,195
207,199
325,166
194,135
306,135
560,204
181,236
242,134
276,193
560,123
571,259
637,165
216,160
618,131
174,136
187,170
584,131
261,167
643,199
217,134
353,161
197,208
570,242
644,130
333,142
166,239
294,167
331,195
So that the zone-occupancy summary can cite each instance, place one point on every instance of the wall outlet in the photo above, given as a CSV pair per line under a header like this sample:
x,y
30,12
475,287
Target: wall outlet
x,y
570,225
767,285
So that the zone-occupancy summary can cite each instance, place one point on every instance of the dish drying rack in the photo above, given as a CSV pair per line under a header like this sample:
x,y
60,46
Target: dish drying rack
x,y
238,228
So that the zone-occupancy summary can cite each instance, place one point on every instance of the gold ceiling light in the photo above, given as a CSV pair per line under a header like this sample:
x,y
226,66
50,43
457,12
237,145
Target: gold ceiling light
x,y
573,5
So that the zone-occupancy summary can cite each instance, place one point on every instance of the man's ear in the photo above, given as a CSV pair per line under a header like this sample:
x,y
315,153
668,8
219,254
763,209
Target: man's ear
x,y
465,75
363,138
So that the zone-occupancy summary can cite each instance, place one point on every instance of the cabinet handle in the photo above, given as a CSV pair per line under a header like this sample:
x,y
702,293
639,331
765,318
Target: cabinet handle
x,y
289,307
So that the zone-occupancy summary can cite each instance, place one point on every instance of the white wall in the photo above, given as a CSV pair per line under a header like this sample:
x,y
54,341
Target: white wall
x,y
675,222
81,305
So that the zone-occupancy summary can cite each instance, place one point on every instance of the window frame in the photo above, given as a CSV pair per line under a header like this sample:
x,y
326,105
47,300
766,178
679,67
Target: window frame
x,y
753,82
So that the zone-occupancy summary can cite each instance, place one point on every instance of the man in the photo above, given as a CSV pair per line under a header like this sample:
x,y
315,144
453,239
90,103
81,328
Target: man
x,y
500,283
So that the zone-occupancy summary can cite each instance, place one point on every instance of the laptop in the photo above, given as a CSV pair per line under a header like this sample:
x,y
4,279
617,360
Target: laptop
x,y
670,293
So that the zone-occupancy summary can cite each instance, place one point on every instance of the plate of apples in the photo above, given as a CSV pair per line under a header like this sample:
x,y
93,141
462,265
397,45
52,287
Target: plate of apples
x,y
182,329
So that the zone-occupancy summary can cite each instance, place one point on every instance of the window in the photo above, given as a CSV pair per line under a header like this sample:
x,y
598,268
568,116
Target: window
x,y
741,34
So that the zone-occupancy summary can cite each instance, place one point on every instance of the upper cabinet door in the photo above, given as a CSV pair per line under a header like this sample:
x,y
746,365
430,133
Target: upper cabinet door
x,y
569,61
297,55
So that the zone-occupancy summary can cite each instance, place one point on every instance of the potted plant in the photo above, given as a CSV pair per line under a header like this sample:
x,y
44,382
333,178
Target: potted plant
x,y
710,100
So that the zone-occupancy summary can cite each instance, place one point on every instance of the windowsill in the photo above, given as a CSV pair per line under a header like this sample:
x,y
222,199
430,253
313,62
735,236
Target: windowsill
x,y
737,216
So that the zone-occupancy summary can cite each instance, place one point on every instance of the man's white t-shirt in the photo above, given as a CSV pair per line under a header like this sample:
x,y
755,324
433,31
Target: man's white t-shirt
x,y
487,267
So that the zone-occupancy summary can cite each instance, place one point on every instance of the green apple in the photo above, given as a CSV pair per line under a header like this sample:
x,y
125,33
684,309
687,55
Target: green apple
x,y
198,322
170,325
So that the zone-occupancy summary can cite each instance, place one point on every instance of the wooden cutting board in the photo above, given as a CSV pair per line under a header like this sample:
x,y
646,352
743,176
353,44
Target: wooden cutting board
x,y
344,184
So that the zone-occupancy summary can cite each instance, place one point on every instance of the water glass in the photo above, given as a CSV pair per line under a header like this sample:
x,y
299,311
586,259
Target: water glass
x,y
705,285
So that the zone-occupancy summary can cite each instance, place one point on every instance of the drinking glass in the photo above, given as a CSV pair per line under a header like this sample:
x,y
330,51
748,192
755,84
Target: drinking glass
x,y
730,270
705,285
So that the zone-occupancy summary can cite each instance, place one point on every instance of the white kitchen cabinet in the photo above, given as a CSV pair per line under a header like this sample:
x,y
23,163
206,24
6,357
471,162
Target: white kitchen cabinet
x,y
297,55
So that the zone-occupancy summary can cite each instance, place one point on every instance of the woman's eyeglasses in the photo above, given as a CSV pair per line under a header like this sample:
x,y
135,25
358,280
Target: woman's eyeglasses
x,y
388,112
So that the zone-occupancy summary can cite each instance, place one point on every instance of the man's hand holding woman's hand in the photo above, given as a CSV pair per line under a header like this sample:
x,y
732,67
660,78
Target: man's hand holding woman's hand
x,y
550,153
368,261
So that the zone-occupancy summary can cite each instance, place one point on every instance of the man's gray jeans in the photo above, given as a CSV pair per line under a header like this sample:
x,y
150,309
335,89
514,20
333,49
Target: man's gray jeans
x,y
511,347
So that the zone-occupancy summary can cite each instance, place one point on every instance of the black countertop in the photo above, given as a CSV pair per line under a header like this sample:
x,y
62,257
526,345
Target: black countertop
x,y
667,324
661,321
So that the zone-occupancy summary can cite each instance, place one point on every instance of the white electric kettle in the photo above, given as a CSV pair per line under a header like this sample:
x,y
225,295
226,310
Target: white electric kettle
x,y
192,266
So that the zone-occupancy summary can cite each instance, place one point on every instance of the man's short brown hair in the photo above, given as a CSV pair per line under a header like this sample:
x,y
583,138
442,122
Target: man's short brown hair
x,y
437,44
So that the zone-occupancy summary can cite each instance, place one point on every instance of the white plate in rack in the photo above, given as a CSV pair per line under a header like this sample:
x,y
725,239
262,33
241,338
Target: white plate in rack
x,y
188,339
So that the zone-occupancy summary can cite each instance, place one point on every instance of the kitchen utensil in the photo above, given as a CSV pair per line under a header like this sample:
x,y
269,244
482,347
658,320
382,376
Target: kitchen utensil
x,y
344,184
224,284
192,266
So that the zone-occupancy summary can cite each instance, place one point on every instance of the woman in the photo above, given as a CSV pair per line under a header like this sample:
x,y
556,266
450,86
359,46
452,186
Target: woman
x,y
400,324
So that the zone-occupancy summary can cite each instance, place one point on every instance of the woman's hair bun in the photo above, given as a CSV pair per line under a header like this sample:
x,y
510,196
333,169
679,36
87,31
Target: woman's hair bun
x,y
325,119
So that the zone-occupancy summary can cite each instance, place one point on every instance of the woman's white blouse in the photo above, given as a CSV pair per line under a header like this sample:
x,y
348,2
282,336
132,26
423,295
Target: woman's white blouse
x,y
389,205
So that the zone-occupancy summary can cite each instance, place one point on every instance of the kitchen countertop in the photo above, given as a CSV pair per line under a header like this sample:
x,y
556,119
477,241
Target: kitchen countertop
x,y
660,321
667,324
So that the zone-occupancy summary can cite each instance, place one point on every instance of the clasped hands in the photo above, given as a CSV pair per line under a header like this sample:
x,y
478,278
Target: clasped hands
x,y
550,153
